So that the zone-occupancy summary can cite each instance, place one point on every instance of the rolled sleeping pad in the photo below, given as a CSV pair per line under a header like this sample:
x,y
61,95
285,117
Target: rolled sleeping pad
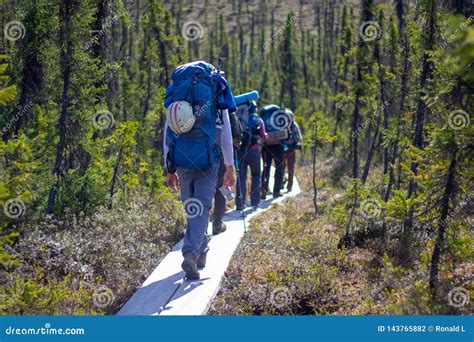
x,y
246,98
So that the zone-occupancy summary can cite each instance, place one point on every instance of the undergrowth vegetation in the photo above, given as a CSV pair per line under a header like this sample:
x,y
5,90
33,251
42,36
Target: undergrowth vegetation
x,y
289,263
89,264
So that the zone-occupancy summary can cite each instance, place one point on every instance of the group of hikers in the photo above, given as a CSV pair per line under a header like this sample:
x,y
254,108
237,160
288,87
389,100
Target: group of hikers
x,y
208,133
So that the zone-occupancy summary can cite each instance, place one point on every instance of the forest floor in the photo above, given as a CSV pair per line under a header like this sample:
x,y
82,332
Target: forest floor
x,y
290,263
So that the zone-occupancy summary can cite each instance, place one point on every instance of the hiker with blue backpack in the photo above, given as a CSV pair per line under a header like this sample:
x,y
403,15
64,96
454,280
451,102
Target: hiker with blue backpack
x,y
197,132
277,122
248,154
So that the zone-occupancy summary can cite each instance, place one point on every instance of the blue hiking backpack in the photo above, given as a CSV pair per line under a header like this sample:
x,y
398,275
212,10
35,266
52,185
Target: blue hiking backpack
x,y
250,123
198,84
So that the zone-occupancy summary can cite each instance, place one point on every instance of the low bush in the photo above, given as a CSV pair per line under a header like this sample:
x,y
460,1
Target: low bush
x,y
108,254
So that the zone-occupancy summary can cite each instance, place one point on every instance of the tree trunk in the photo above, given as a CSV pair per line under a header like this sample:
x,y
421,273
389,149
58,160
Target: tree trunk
x,y
315,190
383,99
366,15
114,178
449,192
404,251
31,74
400,9
68,8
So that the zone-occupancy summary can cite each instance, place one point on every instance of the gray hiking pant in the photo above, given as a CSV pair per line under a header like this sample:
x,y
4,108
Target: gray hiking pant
x,y
251,158
197,191
219,199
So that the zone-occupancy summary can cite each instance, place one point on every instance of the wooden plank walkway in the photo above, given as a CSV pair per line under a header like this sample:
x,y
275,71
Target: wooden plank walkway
x,y
165,292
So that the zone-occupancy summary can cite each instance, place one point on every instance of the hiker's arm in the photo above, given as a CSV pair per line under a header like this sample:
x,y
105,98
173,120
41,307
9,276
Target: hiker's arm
x,y
263,133
297,131
172,179
227,150
165,146
226,140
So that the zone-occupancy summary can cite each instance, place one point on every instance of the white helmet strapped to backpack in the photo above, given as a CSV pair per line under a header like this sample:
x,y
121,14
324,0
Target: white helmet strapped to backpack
x,y
180,117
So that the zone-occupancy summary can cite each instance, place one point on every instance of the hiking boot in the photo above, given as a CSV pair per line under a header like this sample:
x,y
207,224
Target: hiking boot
x,y
276,195
218,230
239,208
189,266
201,261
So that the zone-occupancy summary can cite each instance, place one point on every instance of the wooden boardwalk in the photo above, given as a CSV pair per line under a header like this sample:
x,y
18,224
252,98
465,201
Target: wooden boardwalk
x,y
165,292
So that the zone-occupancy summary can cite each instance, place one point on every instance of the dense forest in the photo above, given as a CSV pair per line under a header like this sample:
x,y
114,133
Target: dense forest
x,y
382,90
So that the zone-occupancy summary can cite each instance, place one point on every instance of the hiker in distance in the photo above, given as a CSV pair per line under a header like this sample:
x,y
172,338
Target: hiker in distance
x,y
248,154
197,132
277,123
294,143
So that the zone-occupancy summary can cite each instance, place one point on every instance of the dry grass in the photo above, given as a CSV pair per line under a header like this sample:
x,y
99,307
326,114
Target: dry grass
x,y
289,263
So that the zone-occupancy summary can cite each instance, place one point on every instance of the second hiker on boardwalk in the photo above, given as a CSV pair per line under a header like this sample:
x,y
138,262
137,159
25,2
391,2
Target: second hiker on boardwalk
x,y
197,132
249,155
